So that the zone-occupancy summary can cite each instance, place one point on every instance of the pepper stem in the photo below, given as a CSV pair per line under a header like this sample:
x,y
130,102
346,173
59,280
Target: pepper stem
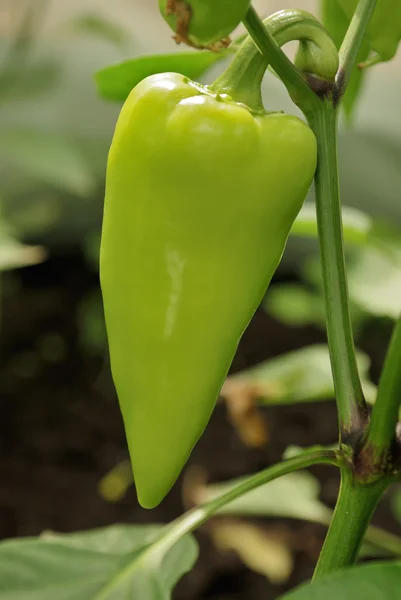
x,y
317,55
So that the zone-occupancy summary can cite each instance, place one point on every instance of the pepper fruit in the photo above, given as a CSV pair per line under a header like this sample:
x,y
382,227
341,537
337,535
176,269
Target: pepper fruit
x,y
203,23
200,197
202,188
384,31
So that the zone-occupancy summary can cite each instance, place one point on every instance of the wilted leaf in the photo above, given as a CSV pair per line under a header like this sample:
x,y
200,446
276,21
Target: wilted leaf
x,y
245,416
259,549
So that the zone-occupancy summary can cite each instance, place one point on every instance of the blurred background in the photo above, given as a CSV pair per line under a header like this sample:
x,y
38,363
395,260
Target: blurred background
x,y
63,455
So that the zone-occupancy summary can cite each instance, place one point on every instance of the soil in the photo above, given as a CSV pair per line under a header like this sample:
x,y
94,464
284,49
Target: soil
x,y
61,431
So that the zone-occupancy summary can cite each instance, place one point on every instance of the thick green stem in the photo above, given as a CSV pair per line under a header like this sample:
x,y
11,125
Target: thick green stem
x,y
197,516
264,41
385,412
352,42
355,506
351,405
317,54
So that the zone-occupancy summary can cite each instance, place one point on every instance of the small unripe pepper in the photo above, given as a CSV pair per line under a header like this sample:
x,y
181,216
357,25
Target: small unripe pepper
x,y
201,193
203,23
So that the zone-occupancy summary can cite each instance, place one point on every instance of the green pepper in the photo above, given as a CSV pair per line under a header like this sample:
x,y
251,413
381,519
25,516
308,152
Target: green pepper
x,y
201,193
203,23
384,32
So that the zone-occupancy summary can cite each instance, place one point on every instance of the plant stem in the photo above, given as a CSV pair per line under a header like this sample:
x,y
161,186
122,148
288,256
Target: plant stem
x,y
385,412
351,405
242,80
355,506
197,516
352,42
293,79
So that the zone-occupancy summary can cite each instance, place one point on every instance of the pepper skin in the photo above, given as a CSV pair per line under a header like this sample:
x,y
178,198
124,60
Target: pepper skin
x,y
200,197
384,32
203,23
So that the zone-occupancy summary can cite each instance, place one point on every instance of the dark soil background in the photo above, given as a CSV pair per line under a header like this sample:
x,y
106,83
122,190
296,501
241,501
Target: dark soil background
x,y
61,430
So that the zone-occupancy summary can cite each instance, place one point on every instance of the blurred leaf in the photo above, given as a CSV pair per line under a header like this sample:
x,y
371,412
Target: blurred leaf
x,y
29,81
300,376
36,216
91,249
258,549
357,225
94,24
370,170
294,496
49,157
335,20
295,305
52,347
245,415
375,281
23,38
117,81
116,482
380,581
384,30
13,254
111,563
396,503
92,326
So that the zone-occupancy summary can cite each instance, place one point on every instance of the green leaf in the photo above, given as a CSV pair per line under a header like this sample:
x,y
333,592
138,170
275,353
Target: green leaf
x,y
122,561
357,225
300,376
384,31
117,81
48,157
335,20
294,496
295,305
380,581
375,281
